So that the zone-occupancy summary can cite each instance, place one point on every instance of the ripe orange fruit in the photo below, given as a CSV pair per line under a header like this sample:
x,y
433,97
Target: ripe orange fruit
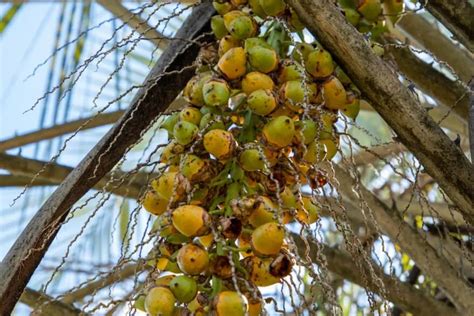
x,y
192,259
190,220
219,143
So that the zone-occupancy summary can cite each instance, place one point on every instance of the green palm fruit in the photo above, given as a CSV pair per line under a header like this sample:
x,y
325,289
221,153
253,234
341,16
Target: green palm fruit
x,y
295,23
293,93
140,303
279,131
273,7
193,90
263,59
206,124
185,132
315,152
251,160
377,49
240,25
257,8
262,102
191,115
216,92
352,107
306,130
302,50
222,8
342,76
393,9
326,126
319,63
347,4
370,9
334,94
289,71
364,25
218,26
288,198
184,288
352,16
255,42
170,122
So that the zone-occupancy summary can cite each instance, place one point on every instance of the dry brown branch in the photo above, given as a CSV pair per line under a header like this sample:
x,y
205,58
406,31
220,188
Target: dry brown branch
x,y
35,299
426,35
58,130
412,242
135,22
54,173
441,158
21,181
164,82
456,15
401,294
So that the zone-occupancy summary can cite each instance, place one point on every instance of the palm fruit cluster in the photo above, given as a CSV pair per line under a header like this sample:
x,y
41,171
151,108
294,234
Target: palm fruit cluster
x,y
260,119
371,15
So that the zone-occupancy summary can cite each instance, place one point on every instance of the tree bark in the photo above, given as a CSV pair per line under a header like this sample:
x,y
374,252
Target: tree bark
x,y
442,159
163,84
456,15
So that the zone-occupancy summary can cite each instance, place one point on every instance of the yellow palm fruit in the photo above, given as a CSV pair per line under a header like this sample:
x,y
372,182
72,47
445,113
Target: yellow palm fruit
x,y
256,81
222,7
185,132
190,220
251,160
302,50
307,211
219,143
161,264
170,154
263,59
288,198
192,259
206,240
194,306
192,167
226,43
334,94
279,131
262,102
218,26
352,107
233,64
193,90
216,92
228,303
267,239
259,271
393,9
370,9
154,204
257,8
319,64
164,185
293,93
164,280
289,71
273,7
190,114
327,121
160,301
240,25
263,212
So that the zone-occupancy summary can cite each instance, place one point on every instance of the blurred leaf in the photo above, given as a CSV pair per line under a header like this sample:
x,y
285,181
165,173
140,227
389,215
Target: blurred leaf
x,y
123,223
